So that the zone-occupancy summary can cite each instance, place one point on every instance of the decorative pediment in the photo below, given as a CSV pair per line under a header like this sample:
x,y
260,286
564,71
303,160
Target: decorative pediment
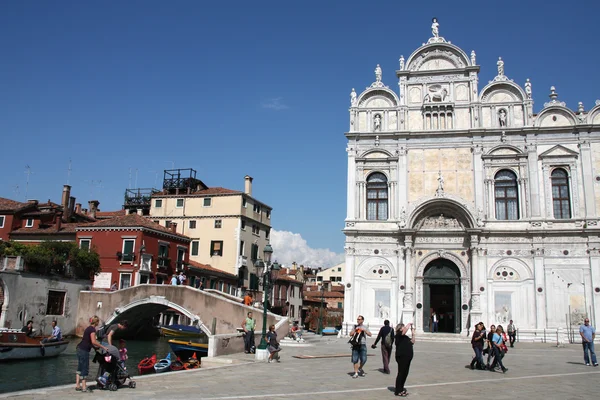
x,y
439,222
560,152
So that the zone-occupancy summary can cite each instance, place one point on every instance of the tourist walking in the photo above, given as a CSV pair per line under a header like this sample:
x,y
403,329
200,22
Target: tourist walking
x,y
588,334
404,356
274,347
497,344
386,335
477,344
248,325
512,333
84,347
490,349
359,351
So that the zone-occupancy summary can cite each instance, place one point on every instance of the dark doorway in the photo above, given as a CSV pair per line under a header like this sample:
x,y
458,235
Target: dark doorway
x,y
441,293
442,302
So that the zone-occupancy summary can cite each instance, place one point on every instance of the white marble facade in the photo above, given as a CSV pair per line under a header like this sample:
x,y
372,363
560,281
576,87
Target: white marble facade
x,y
476,180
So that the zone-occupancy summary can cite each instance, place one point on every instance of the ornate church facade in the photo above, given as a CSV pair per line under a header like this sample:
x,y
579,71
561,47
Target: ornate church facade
x,y
463,201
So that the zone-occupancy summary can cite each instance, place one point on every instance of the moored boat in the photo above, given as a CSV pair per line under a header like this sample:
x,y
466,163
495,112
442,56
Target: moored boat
x,y
192,362
177,365
185,349
16,345
181,331
163,365
146,366
330,331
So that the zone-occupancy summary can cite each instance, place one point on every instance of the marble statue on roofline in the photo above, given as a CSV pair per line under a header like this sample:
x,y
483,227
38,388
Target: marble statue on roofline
x,y
353,98
401,60
500,64
528,88
435,28
473,57
378,73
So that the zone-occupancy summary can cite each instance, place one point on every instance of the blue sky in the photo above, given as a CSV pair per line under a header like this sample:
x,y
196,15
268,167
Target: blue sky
x,y
235,88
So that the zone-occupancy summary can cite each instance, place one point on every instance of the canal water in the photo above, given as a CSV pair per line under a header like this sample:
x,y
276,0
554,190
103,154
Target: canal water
x,y
33,374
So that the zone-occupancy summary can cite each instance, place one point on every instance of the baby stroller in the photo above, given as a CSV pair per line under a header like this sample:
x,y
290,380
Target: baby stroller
x,y
111,373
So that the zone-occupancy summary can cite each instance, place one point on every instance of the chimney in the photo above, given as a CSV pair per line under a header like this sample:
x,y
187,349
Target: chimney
x,y
248,185
93,204
65,200
58,221
140,212
77,208
71,206
34,202
173,227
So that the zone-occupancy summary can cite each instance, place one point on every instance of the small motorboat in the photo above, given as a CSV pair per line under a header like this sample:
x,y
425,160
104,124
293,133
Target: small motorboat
x,y
163,365
181,331
192,362
146,366
177,365
330,331
185,349
16,345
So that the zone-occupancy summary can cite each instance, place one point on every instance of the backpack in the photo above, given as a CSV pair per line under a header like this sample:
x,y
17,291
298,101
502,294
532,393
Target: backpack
x,y
355,339
387,340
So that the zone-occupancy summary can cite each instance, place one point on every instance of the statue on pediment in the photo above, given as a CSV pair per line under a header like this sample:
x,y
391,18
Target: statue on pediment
x,y
435,28
353,98
378,73
500,65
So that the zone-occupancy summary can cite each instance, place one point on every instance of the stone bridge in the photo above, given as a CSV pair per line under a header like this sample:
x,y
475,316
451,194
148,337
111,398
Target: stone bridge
x,y
215,314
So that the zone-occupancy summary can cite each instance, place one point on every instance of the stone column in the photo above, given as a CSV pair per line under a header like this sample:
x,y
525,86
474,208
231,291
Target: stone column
x,y
352,185
587,171
409,303
350,292
491,209
464,299
540,280
402,176
594,283
534,184
478,180
523,195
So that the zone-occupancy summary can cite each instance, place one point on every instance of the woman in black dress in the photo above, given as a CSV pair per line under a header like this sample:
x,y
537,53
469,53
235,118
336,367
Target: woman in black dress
x,y
404,355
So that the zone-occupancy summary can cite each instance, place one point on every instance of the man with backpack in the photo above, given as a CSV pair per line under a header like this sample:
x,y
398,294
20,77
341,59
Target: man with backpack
x,y
358,340
386,335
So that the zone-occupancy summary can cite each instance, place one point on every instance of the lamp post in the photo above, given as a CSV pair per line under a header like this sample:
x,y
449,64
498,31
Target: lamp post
x,y
264,269
320,327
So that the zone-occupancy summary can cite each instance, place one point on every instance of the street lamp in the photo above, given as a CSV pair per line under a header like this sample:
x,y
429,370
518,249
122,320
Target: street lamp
x,y
320,327
264,269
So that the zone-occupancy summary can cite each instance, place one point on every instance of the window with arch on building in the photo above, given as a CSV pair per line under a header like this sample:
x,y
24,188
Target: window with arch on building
x,y
377,197
506,195
561,199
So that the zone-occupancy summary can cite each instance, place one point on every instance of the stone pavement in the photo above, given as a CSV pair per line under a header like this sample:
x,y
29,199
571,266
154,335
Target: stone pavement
x,y
536,371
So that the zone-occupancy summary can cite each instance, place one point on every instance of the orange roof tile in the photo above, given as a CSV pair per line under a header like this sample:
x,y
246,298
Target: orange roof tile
x,y
48,230
131,221
208,268
109,214
12,205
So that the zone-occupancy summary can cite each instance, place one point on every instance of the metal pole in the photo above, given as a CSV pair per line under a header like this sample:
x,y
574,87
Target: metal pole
x,y
320,328
263,339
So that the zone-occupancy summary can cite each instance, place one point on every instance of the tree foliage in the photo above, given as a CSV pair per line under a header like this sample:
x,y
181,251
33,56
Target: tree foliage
x,y
50,257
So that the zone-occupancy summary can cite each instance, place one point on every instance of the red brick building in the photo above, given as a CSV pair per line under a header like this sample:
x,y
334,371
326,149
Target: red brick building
x,y
134,250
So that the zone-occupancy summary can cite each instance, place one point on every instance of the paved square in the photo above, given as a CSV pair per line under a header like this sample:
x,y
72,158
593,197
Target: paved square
x,y
536,371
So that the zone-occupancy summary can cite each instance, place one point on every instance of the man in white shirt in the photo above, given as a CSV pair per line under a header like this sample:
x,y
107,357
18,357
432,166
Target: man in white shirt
x,y
56,335
434,317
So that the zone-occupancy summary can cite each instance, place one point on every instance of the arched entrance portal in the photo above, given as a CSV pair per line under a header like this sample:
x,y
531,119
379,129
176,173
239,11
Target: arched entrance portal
x,y
441,293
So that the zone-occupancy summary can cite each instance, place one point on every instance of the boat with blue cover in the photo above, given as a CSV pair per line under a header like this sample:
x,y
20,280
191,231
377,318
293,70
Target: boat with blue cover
x,y
181,331
163,365
185,349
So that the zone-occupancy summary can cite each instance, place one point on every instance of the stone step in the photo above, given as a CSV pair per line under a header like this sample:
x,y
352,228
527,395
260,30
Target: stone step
x,y
442,337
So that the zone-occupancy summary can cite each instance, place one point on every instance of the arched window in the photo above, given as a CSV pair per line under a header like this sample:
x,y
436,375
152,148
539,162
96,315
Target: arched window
x,y
560,194
377,197
507,197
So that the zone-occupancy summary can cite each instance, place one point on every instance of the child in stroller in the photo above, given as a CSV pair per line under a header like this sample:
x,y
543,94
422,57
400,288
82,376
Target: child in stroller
x,y
111,373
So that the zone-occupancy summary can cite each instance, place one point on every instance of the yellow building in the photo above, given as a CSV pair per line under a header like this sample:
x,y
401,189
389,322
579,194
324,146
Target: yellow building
x,y
229,229
334,274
